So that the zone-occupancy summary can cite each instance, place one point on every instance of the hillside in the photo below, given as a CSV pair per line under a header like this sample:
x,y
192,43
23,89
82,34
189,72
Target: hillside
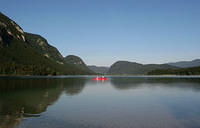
x,y
77,62
181,71
125,67
29,54
98,69
186,64
41,45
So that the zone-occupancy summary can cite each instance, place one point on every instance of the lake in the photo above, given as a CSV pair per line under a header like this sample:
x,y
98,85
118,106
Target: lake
x,y
118,102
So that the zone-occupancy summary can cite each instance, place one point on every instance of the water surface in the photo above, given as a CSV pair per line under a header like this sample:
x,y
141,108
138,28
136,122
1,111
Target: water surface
x,y
81,102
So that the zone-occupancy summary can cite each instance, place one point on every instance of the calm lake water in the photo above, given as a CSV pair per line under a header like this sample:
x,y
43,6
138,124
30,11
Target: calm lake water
x,y
81,102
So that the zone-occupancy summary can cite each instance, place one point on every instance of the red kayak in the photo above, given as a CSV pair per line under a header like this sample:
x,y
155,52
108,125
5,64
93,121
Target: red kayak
x,y
99,78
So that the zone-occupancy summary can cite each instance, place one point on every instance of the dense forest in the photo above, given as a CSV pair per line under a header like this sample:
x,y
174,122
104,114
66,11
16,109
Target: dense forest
x,y
180,71
126,67
24,53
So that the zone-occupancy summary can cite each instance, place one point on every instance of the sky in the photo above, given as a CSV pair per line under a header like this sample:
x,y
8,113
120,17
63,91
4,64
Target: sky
x,y
102,32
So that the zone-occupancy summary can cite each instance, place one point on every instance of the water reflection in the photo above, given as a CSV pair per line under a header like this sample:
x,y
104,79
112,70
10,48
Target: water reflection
x,y
29,97
116,102
74,86
178,96
124,83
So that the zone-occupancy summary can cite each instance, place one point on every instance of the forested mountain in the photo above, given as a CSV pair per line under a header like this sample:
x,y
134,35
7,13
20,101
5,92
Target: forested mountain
x,y
77,61
29,54
41,45
180,71
23,53
98,69
186,64
125,67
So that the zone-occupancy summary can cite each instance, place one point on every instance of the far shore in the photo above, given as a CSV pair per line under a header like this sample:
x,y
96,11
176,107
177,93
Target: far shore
x,y
109,76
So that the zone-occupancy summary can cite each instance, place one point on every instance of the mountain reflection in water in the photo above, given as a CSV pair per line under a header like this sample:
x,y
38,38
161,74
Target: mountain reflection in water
x,y
29,97
182,83
82,102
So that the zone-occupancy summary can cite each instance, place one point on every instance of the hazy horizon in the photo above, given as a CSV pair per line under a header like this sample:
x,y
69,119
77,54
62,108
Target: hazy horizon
x,y
103,32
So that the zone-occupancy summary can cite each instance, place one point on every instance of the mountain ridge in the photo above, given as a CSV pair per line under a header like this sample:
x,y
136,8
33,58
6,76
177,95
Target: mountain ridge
x,y
186,64
98,69
23,53
127,67
179,71
77,61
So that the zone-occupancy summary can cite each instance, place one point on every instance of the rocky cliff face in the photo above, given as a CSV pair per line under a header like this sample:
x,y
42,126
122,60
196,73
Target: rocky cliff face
x,y
9,30
22,53
41,45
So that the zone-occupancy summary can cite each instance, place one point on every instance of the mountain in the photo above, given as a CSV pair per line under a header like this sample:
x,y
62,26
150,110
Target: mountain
x,y
180,71
77,62
126,67
9,30
98,69
41,45
186,64
23,53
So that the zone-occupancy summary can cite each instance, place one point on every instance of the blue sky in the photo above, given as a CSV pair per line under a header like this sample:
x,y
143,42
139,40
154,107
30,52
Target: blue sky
x,y
104,31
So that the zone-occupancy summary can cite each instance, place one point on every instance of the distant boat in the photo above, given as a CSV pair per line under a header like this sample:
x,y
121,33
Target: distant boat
x,y
99,78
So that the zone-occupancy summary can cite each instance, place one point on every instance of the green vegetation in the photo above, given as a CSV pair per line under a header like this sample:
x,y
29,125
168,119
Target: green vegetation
x,y
41,45
23,53
29,54
77,62
99,69
181,71
186,64
125,67
19,58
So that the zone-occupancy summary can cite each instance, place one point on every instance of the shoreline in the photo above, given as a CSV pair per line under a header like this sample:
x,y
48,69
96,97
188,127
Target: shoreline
x,y
90,76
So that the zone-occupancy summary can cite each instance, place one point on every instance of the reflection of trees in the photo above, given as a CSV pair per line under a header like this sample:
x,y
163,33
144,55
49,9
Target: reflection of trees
x,y
29,97
74,86
135,82
125,83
